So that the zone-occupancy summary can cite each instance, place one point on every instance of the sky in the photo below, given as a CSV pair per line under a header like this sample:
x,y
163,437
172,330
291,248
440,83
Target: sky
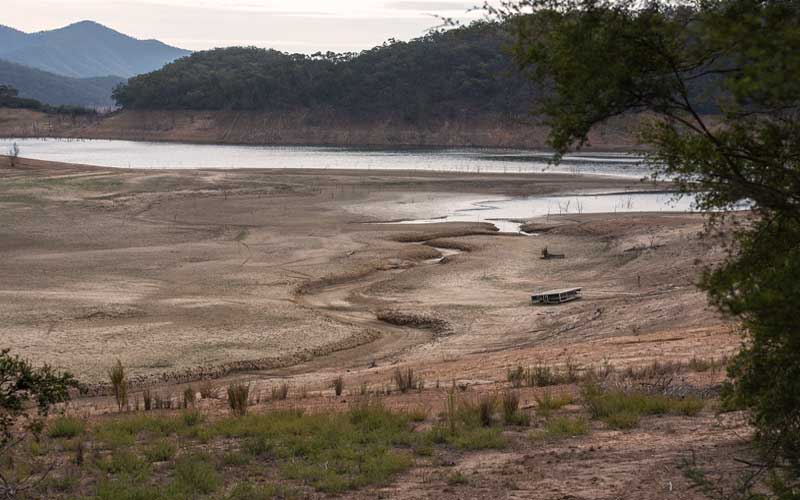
x,y
305,26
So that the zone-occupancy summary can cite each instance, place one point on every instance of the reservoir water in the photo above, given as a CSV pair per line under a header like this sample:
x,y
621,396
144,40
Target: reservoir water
x,y
506,213
130,154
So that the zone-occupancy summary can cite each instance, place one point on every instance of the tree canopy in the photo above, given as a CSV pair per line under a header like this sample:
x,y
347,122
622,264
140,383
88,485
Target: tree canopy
x,y
595,59
442,75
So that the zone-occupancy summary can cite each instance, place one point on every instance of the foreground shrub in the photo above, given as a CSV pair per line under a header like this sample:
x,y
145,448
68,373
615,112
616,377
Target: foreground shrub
x,y
280,392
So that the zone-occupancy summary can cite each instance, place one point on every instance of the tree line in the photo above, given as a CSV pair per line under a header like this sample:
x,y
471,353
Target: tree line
x,y
452,74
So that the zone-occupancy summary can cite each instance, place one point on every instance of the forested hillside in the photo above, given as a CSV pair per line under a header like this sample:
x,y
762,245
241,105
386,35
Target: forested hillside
x,y
58,90
444,75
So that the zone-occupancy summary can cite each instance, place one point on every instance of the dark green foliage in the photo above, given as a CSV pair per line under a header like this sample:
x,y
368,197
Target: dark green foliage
x,y
23,383
443,75
676,61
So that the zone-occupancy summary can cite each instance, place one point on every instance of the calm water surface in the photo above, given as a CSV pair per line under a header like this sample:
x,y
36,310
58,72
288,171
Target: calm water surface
x,y
129,154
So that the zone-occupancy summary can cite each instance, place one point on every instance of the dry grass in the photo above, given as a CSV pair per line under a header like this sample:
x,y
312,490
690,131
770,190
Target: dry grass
x,y
405,380
281,392
239,398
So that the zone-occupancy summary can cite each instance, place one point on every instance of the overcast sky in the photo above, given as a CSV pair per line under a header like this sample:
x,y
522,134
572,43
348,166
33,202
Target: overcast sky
x,y
288,25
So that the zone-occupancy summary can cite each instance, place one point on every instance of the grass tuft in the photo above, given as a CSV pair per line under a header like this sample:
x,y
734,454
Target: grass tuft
x,y
563,427
66,427
239,399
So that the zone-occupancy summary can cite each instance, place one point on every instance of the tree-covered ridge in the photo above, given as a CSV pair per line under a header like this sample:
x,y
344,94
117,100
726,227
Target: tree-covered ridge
x,y
451,74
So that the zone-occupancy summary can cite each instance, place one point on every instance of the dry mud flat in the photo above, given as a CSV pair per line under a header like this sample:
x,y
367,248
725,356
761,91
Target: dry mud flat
x,y
279,276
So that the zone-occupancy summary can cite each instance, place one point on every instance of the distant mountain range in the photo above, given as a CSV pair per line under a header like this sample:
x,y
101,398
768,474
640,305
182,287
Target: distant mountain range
x,y
78,64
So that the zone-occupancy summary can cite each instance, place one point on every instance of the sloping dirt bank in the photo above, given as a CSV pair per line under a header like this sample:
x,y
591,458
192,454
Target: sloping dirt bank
x,y
298,128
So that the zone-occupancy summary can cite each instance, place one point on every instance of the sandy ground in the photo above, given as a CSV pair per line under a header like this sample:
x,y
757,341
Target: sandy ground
x,y
280,276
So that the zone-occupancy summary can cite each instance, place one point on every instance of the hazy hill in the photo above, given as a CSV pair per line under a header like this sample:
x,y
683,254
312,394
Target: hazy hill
x,y
50,88
451,75
85,49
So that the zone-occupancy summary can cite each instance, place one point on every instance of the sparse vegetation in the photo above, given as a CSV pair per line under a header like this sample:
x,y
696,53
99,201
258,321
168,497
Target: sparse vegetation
x,y
207,390
119,384
338,385
280,392
562,427
160,451
512,415
622,409
147,399
547,402
405,379
65,427
239,398
189,396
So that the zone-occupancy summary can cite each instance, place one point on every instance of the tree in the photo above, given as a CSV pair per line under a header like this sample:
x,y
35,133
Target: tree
x,y
715,88
7,91
20,386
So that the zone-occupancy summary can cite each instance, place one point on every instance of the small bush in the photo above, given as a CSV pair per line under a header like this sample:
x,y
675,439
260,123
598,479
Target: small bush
x,y
122,462
565,427
195,474
511,412
160,451
239,398
281,392
621,405
486,407
236,459
119,384
192,418
66,427
547,402
480,438
405,380
338,385
625,419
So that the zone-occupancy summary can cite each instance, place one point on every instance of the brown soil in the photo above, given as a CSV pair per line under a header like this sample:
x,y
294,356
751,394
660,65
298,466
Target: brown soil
x,y
272,276
299,128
